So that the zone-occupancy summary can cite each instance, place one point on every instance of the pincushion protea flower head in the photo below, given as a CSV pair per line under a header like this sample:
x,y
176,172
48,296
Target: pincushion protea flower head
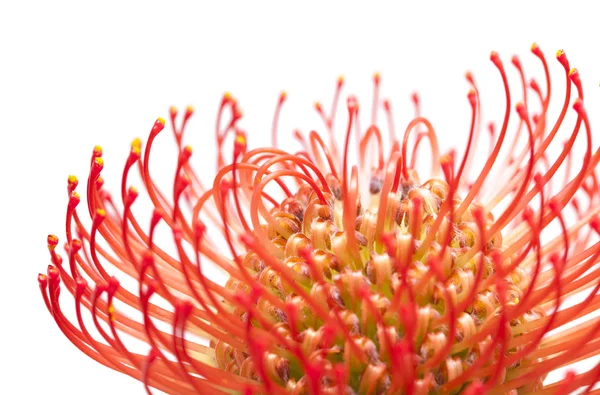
x,y
415,287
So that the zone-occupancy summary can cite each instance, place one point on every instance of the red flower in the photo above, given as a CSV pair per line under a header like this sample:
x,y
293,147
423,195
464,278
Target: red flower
x,y
414,288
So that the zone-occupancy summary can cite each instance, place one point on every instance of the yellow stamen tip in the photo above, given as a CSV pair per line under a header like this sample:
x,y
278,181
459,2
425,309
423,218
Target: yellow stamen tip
x,y
240,139
161,120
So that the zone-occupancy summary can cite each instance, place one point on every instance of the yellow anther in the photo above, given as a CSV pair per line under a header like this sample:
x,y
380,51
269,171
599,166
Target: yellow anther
x,y
240,139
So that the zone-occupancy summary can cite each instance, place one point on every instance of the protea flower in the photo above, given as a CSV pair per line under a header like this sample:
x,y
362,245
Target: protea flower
x,y
444,284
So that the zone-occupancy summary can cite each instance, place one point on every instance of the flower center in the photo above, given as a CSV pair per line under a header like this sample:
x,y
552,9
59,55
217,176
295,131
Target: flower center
x,y
418,281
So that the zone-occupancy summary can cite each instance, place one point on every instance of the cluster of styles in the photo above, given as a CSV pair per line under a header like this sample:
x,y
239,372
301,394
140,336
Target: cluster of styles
x,y
415,287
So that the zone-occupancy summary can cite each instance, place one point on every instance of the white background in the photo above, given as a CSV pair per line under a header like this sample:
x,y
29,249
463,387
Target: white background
x,y
76,74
